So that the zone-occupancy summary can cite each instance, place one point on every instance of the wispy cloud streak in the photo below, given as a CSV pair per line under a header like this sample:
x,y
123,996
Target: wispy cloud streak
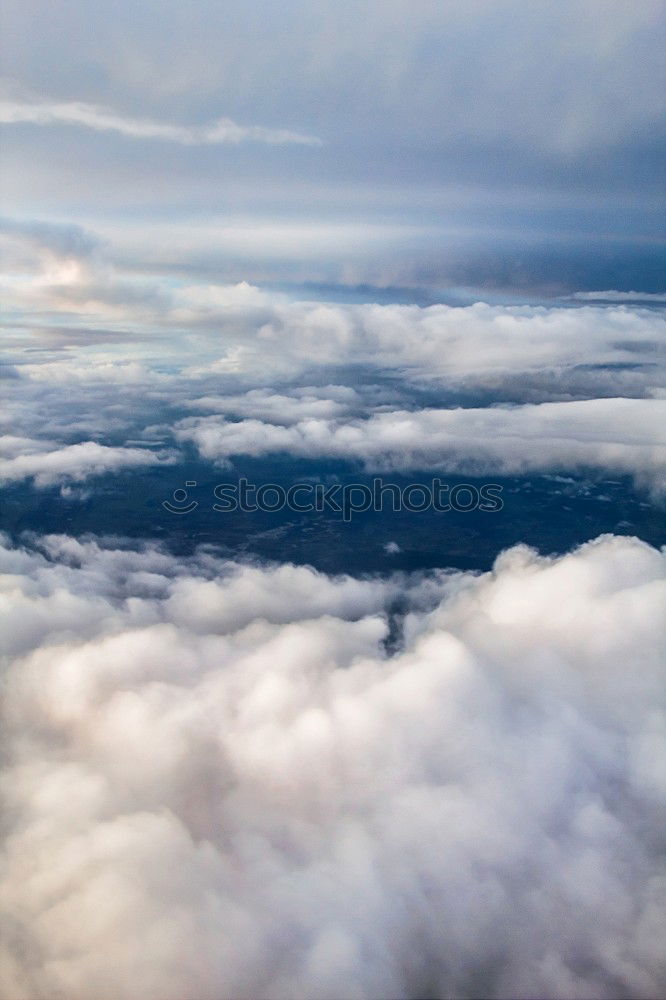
x,y
220,132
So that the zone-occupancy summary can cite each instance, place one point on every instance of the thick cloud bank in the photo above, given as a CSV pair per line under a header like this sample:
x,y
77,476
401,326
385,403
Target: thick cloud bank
x,y
620,434
218,783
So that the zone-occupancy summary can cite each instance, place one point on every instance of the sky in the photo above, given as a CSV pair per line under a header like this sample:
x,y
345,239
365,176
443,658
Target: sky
x,y
515,145
352,754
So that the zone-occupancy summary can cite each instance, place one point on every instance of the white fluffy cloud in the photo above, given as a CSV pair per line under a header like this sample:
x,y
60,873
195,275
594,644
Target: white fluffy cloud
x,y
304,402
480,341
217,783
47,463
627,435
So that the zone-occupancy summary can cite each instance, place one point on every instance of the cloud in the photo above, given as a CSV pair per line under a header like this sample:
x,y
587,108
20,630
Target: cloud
x,y
614,296
440,341
625,435
526,136
93,116
47,463
217,782
306,402
246,332
533,76
100,349
59,238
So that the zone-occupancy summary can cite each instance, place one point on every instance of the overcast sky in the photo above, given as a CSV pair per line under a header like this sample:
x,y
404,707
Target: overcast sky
x,y
471,143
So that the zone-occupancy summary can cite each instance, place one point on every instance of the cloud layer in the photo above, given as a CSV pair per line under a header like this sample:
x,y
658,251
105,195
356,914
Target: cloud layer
x,y
112,357
622,435
217,782
46,464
